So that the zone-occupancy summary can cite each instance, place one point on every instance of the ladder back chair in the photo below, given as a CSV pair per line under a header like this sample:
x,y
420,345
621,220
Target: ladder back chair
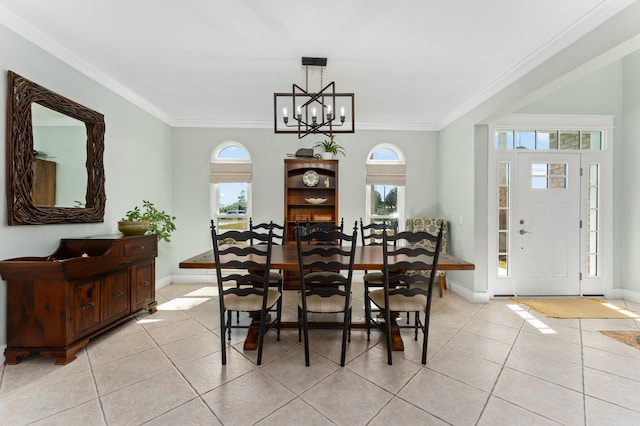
x,y
407,291
371,235
276,278
326,273
324,226
242,272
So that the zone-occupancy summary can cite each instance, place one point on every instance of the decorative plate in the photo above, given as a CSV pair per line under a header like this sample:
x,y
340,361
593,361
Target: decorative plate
x,y
310,178
316,200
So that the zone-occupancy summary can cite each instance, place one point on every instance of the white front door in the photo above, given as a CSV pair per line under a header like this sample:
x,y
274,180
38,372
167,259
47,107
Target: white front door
x,y
546,225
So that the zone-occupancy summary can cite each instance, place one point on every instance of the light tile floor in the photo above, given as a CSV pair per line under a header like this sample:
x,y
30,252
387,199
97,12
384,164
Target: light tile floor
x,y
489,364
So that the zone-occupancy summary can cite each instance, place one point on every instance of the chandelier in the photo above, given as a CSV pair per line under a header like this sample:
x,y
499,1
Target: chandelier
x,y
305,112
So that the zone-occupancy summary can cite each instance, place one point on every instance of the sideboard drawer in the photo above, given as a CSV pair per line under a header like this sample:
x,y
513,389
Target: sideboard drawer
x,y
139,248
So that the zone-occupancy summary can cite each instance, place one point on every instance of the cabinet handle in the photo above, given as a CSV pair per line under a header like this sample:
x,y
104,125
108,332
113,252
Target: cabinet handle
x,y
145,284
118,294
88,305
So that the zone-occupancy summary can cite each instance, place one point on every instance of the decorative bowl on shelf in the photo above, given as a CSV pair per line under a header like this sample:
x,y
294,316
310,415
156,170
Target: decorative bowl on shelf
x,y
315,200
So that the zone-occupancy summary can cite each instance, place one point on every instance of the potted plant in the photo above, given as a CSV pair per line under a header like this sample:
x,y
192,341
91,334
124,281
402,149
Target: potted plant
x,y
330,148
139,221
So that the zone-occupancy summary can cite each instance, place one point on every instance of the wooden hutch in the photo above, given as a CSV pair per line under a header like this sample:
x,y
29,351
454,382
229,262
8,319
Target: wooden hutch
x,y
307,180
55,304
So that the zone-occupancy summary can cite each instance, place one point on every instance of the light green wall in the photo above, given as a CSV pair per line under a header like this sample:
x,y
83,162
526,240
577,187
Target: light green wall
x,y
192,149
627,188
137,156
599,93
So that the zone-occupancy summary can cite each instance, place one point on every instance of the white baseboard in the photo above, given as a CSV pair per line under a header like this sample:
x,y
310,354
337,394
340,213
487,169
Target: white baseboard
x,y
164,282
471,296
192,279
630,295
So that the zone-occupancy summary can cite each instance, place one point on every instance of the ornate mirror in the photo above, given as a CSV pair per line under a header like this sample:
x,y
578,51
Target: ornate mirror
x,y
55,149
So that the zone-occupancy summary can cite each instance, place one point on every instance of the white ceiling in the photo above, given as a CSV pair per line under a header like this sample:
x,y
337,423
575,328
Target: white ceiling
x,y
412,64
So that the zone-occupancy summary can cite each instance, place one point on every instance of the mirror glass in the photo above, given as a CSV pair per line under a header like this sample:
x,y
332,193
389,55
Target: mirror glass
x,y
59,170
55,147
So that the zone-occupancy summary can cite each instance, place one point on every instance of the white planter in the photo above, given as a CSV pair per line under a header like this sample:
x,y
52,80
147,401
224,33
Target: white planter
x,y
327,156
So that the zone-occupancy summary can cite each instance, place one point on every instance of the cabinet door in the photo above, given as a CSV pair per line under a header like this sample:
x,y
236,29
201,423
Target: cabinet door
x,y
143,284
86,304
115,296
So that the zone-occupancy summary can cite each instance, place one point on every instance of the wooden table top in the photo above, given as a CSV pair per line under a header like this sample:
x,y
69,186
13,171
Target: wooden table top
x,y
285,257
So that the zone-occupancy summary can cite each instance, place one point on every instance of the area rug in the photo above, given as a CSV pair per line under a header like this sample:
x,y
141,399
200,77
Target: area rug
x,y
577,308
631,338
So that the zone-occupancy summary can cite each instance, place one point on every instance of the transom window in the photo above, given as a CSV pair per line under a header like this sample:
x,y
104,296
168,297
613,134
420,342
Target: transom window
x,y
548,140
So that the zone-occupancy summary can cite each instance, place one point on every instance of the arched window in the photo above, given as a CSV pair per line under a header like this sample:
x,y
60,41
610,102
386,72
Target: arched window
x,y
386,176
230,186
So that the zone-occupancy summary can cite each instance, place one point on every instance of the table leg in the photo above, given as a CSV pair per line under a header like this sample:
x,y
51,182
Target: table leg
x,y
251,341
396,337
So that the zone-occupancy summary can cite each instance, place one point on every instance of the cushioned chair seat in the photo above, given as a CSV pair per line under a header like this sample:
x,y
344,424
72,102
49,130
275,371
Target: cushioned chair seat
x,y
399,302
249,303
274,277
325,305
373,277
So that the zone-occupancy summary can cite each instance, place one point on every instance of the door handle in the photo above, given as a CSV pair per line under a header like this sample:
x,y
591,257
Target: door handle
x,y
522,232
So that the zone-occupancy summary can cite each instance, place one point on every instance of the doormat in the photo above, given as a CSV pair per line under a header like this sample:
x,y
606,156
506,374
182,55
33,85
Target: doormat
x,y
631,338
577,308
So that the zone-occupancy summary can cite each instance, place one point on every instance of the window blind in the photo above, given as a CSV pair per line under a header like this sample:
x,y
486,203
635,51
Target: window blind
x,y
386,174
230,172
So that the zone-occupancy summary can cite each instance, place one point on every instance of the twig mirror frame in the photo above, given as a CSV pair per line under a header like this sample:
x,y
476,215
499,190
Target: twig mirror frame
x,y
20,157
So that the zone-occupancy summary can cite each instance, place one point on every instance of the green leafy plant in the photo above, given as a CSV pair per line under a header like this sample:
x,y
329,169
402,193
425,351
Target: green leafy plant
x,y
160,223
331,146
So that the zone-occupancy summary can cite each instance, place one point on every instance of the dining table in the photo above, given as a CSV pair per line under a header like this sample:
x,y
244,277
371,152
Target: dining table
x,y
366,258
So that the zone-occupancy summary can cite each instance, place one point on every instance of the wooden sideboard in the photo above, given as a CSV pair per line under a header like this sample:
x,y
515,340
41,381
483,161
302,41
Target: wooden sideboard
x,y
56,304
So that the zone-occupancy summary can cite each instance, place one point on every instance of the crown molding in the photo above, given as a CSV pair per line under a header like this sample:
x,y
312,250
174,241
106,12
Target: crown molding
x,y
205,123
